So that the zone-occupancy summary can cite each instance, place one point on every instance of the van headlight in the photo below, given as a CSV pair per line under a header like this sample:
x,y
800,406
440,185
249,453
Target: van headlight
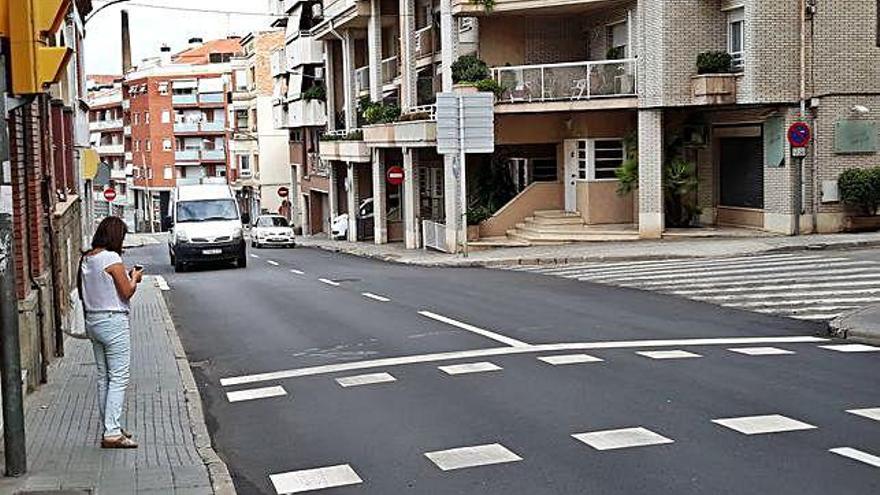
x,y
237,233
181,236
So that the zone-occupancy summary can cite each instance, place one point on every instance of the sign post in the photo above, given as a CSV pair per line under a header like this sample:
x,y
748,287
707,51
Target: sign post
x,y
799,136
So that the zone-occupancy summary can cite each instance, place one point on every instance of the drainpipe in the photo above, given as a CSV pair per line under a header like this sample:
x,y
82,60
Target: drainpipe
x,y
799,179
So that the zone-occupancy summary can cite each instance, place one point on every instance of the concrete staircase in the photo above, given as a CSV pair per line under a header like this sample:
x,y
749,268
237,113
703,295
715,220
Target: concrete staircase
x,y
552,227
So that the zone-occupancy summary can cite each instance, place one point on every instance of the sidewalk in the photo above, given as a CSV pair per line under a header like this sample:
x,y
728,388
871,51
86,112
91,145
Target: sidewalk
x,y
862,325
139,240
599,251
163,410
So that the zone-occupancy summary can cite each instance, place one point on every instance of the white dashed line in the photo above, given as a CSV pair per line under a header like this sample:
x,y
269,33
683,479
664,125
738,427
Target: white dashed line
x,y
256,393
375,297
851,348
761,351
504,351
759,425
467,457
369,379
466,369
255,256
315,479
622,439
328,282
273,263
871,413
470,328
570,359
668,354
857,455
297,272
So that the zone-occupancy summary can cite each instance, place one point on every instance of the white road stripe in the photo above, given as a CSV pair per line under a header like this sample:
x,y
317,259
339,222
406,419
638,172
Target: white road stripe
x,y
759,425
649,264
713,281
851,348
503,351
817,316
870,413
700,266
467,457
273,263
781,287
314,479
161,283
254,256
676,354
776,268
857,455
297,272
329,282
622,439
255,393
761,351
469,368
570,359
805,302
368,379
805,310
470,328
375,297
787,295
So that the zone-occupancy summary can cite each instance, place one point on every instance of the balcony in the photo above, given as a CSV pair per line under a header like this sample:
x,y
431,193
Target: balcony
x,y
568,86
362,80
184,127
110,149
214,155
468,7
128,156
418,128
302,113
218,126
117,173
102,125
126,130
126,104
276,61
390,69
186,155
424,42
212,98
345,146
304,50
184,99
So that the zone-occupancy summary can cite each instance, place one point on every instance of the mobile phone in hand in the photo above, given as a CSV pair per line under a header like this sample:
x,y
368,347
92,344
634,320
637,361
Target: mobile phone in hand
x,y
138,268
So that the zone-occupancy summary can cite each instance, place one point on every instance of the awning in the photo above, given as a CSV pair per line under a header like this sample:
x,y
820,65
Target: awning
x,y
187,84
213,85
89,160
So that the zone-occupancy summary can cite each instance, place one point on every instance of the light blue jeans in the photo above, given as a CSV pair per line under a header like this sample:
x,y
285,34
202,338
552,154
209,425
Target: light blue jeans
x,y
111,341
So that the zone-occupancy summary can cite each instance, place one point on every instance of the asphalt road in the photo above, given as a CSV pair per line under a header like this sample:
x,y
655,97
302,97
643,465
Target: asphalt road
x,y
269,326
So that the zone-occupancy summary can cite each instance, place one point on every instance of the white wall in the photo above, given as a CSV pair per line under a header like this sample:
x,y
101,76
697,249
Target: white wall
x,y
274,156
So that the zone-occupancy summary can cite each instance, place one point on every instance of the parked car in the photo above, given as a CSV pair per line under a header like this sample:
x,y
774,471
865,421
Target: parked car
x,y
206,225
339,227
272,230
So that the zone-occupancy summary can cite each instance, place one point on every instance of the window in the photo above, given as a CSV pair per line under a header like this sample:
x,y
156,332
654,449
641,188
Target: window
x,y
736,37
137,145
241,80
137,118
241,120
148,145
244,165
166,117
598,159
146,117
163,88
618,37
166,145
296,135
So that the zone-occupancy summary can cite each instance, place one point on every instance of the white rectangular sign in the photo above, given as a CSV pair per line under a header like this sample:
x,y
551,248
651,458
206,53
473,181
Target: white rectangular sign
x,y
478,125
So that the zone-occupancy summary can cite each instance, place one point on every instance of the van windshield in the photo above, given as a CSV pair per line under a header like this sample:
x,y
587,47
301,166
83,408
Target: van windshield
x,y
206,210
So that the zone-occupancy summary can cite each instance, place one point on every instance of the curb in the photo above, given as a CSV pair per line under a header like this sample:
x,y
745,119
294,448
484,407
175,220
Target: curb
x,y
841,327
221,480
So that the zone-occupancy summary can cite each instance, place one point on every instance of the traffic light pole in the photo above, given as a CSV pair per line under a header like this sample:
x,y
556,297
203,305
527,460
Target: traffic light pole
x,y
10,355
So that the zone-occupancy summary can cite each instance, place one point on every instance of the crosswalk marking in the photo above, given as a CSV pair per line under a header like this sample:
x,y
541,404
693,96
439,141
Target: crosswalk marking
x,y
465,369
871,413
804,286
857,455
466,457
761,351
314,479
368,379
850,348
570,359
255,393
622,439
674,354
759,425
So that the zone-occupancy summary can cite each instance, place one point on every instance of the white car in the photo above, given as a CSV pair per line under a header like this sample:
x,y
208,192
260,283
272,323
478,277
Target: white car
x,y
272,230
339,227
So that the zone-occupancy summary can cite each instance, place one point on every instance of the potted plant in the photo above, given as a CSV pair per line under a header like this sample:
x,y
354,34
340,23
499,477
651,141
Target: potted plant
x,y
715,82
860,190
679,185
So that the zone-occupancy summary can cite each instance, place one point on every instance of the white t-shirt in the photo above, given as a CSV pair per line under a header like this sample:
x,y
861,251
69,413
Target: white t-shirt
x,y
99,291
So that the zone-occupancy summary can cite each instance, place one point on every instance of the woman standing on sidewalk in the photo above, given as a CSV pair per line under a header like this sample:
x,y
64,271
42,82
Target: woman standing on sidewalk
x,y
106,288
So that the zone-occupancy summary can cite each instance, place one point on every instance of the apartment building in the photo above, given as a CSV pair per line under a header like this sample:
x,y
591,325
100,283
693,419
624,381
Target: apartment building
x,y
299,108
584,86
177,111
107,136
258,150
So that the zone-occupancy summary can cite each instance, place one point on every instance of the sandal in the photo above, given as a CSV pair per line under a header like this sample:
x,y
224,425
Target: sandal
x,y
119,442
125,433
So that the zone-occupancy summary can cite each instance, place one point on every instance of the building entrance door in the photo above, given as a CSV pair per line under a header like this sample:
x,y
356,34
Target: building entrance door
x,y
741,176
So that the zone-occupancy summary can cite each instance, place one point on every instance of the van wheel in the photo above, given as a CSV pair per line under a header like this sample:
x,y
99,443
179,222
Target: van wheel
x,y
242,260
179,266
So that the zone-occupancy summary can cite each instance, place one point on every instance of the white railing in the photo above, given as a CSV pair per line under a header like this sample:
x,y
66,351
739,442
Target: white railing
x,y
430,110
434,235
567,81
187,99
390,69
362,80
213,155
110,149
186,127
216,126
100,125
211,97
424,41
186,155
339,134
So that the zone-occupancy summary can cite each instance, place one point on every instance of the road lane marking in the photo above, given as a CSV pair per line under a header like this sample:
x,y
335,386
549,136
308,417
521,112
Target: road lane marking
x,y
368,379
570,359
851,348
315,479
761,351
161,283
759,425
273,263
857,455
470,328
871,413
468,368
503,351
297,272
622,439
375,297
676,354
328,282
255,393
254,256
467,457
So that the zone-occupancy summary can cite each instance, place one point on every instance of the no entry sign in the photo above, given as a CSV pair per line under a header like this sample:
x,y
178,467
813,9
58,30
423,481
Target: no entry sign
x,y
395,176
109,194
799,135
283,192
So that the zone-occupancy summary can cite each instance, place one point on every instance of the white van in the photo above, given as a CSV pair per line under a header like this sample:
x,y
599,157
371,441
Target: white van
x,y
205,226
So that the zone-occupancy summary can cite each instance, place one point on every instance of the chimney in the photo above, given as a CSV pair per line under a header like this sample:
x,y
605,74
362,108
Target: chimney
x,y
126,44
195,42
165,55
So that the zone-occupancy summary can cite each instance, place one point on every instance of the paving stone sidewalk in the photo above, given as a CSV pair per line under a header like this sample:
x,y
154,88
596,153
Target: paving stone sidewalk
x,y
163,410
600,251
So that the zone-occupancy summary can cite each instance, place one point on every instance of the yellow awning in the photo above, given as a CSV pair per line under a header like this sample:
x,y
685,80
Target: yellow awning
x,y
89,163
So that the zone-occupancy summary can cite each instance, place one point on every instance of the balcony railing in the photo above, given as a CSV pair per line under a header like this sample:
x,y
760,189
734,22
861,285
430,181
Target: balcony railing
x,y
186,155
216,126
211,97
390,69
424,41
126,130
100,125
362,80
111,149
214,155
422,112
180,127
187,99
568,81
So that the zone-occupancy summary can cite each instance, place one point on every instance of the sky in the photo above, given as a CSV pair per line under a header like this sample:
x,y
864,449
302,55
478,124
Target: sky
x,y
150,28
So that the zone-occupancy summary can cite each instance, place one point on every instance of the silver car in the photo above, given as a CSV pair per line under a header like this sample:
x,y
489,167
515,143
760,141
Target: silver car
x,y
272,230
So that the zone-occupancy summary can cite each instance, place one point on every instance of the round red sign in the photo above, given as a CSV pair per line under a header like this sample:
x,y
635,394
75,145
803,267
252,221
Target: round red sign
x,y
110,194
799,135
395,176
283,192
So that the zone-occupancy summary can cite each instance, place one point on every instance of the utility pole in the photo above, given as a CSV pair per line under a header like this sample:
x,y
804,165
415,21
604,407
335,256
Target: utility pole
x,y
10,354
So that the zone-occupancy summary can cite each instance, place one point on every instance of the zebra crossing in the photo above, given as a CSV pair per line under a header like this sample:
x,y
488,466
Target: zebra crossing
x,y
803,286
